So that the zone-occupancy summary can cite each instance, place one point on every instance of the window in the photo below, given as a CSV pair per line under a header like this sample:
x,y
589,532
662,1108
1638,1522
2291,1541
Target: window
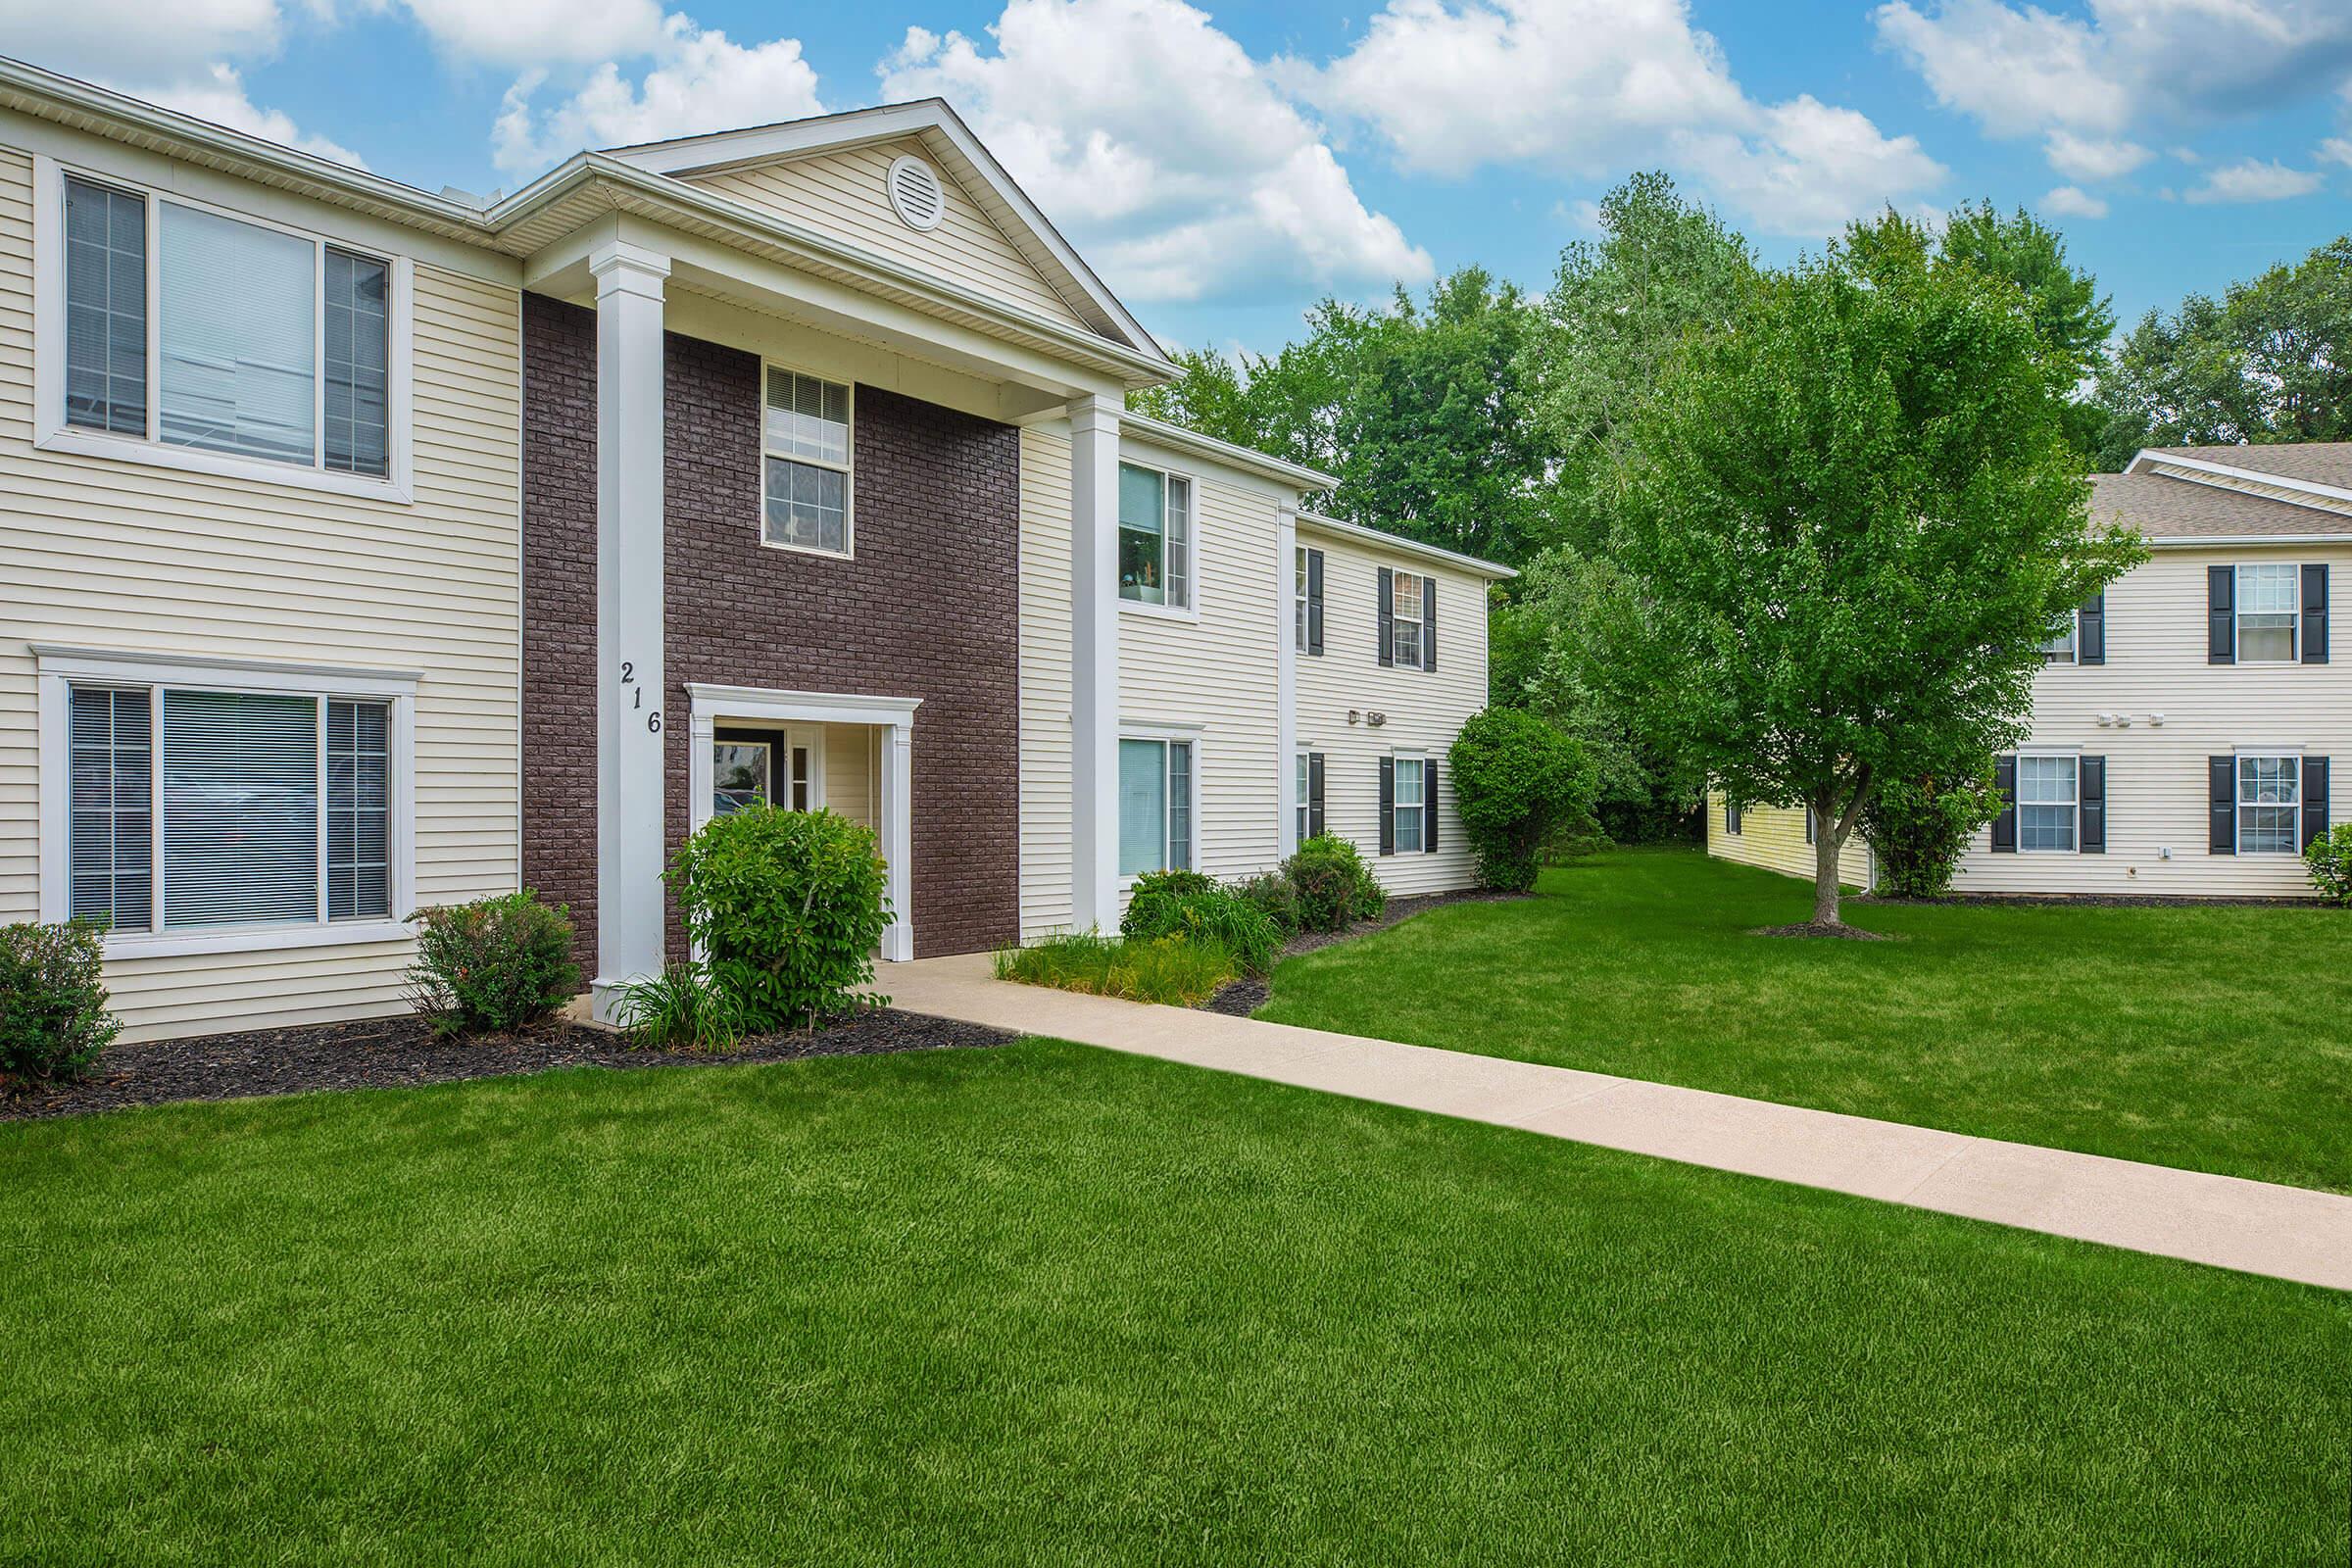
x,y
275,808
1299,598
740,775
1731,819
1156,530
2268,606
1303,797
1404,610
807,465
2060,648
1409,805
270,345
2270,804
1306,600
2046,802
1155,806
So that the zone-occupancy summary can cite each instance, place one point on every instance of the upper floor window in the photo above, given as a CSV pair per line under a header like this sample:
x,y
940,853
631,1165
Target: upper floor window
x,y
2060,647
808,462
2268,606
1405,592
190,328
1155,535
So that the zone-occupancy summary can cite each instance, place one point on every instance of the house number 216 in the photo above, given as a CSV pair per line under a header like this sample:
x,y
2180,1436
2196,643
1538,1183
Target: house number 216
x,y
628,678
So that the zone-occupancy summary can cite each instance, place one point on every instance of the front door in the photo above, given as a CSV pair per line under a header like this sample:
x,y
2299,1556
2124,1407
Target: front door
x,y
773,764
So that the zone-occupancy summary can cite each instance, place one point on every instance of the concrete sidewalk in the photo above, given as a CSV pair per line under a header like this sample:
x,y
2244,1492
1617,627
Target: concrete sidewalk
x,y
2288,1232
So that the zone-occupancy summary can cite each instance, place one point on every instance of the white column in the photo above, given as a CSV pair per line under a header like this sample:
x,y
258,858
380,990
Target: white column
x,y
898,840
1286,680
630,689
1094,662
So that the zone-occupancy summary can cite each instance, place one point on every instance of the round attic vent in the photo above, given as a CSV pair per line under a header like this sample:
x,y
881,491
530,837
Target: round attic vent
x,y
915,194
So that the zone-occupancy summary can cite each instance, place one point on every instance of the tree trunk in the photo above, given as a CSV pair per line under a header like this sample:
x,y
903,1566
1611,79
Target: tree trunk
x,y
1825,864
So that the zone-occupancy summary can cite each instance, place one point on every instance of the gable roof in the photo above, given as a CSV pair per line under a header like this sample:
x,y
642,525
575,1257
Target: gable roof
x,y
1337,528
2326,463
951,144
2165,508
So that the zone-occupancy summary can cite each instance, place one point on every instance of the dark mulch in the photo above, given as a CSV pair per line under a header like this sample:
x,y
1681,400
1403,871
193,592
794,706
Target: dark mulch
x,y
386,1053
2094,901
1822,928
1240,998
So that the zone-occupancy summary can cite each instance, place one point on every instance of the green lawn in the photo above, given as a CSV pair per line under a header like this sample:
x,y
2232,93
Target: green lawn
x,y
2218,1039
1043,1304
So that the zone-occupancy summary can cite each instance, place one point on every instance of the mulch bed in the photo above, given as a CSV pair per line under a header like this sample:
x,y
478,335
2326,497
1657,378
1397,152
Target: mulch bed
x,y
1819,928
387,1052
1240,998
2094,901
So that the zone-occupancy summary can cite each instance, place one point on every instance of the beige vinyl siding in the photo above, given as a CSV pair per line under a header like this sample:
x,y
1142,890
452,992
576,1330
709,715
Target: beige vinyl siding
x,y
850,772
1773,837
127,558
2156,773
843,194
1425,709
1045,681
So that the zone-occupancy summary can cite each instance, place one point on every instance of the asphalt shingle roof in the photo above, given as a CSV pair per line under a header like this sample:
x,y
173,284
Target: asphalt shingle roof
x,y
2327,463
2166,507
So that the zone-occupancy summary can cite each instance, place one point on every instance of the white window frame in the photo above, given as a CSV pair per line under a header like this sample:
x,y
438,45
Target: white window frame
x,y
51,432
2049,754
847,469
1302,802
60,669
1298,596
1165,735
1189,610
2294,808
2293,612
1418,620
2072,654
1420,760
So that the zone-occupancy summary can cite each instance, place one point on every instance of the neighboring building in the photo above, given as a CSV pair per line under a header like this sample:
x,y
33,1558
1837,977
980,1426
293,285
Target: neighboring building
x,y
2186,722
374,549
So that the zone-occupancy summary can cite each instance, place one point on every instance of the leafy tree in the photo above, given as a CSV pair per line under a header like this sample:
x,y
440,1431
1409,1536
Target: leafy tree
x,y
1618,309
1845,529
2271,360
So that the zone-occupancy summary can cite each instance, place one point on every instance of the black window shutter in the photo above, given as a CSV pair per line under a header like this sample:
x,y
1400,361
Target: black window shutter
x,y
2315,614
1314,602
2220,614
2004,826
1730,817
2222,771
1429,808
1812,827
1386,617
1428,623
2315,799
2091,631
1315,794
1388,801
2093,782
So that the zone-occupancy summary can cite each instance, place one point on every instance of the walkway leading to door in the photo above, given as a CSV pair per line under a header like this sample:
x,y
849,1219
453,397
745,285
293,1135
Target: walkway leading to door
x,y
2286,1232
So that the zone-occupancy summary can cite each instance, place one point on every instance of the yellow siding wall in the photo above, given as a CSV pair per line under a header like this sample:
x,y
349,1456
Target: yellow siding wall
x,y
1773,837
1425,708
104,553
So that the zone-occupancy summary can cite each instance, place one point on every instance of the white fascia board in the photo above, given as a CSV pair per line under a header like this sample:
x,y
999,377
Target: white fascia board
x,y
2217,541
1225,452
2233,472
1356,532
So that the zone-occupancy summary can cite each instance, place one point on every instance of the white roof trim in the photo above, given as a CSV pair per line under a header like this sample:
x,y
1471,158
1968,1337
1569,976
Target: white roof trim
x,y
2216,541
1357,532
1225,452
691,155
2231,470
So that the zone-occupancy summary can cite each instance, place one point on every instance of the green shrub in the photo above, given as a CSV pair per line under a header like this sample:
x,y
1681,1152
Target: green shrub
x,y
1333,885
1918,828
1185,903
1172,970
53,1017
2330,858
681,1009
787,908
493,967
1270,894
1517,781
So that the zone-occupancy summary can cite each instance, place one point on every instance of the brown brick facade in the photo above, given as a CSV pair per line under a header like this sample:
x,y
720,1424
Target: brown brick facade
x,y
927,609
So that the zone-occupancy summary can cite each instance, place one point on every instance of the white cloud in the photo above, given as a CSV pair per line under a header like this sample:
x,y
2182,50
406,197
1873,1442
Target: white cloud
x,y
2014,71
2072,201
2250,179
1161,148
1588,87
2337,150
138,40
218,95
702,81
544,32
2086,158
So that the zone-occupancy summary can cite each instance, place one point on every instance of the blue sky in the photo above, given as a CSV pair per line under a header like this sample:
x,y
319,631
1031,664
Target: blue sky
x,y
1223,168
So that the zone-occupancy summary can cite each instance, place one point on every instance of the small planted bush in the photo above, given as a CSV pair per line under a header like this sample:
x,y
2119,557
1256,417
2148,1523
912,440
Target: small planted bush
x,y
53,1003
1270,894
1919,828
1518,779
1333,885
1189,905
493,967
681,1009
1170,970
787,908
2329,859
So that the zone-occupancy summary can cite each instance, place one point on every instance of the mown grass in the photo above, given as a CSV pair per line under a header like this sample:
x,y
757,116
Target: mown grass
x,y
1179,972
2213,1038
1046,1304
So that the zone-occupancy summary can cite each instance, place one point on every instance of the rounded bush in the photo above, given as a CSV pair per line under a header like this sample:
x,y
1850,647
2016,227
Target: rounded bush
x,y
493,967
1333,885
788,908
1270,893
1188,907
53,1017
2330,861
1518,779
1919,828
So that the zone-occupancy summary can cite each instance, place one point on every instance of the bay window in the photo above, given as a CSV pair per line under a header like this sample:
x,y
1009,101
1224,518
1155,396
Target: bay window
x,y
1155,532
1155,805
